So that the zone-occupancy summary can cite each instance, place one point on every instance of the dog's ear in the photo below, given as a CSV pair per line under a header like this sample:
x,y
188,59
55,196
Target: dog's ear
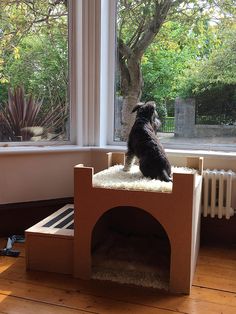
x,y
151,105
148,110
137,107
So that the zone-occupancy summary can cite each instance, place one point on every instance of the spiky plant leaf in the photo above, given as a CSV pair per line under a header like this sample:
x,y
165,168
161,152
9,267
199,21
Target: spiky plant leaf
x,y
22,115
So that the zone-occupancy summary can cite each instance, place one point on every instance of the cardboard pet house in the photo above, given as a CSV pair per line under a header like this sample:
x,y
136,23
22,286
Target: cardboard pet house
x,y
65,241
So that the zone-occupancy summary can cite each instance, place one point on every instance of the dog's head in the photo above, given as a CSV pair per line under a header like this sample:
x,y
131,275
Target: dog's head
x,y
148,111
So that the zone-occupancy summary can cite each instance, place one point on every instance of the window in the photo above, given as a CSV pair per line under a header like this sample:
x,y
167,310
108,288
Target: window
x,y
88,100
182,56
34,71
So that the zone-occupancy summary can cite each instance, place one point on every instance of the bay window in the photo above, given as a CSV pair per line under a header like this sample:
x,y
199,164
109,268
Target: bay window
x,y
78,67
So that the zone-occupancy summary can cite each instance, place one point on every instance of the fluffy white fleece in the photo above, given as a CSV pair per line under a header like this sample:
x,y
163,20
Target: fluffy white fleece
x,y
115,178
132,259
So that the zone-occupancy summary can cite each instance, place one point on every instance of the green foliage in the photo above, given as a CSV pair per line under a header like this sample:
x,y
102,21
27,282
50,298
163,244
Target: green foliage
x,y
217,72
168,125
33,49
193,53
167,58
133,16
18,114
191,60
217,105
42,66
23,118
212,80
190,37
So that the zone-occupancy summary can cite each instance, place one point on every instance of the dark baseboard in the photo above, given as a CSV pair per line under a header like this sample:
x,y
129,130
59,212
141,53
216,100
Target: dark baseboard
x,y
218,231
16,218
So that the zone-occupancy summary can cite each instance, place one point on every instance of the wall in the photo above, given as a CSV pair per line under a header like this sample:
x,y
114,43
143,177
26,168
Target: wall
x,y
184,117
203,130
38,175
185,122
44,175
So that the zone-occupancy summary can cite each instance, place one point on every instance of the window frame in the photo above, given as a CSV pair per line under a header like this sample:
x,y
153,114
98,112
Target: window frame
x,y
74,44
92,50
85,72
109,46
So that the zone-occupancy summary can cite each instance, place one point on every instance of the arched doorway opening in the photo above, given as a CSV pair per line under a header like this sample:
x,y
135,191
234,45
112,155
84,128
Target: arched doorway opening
x,y
130,246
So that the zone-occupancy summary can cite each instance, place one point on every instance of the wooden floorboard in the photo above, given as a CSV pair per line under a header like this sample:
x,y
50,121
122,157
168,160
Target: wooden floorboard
x,y
213,291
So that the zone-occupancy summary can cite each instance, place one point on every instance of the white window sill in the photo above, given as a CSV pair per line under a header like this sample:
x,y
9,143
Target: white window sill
x,y
15,150
41,149
75,148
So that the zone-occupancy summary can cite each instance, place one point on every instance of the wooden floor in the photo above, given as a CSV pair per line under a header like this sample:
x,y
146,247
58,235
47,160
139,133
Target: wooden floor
x,y
213,291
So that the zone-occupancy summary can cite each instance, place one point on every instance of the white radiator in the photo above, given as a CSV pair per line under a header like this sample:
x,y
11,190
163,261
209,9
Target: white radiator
x,y
217,193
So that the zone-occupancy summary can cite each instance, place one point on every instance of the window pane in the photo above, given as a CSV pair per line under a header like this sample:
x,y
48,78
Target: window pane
x,y
34,99
183,58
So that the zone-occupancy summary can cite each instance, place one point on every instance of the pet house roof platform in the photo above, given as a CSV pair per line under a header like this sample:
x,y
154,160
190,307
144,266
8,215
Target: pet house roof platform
x,y
62,242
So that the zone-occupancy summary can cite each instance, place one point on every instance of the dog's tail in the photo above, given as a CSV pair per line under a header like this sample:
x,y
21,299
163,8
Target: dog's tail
x,y
165,177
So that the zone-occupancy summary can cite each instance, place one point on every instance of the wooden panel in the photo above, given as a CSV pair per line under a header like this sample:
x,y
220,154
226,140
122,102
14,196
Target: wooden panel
x,y
25,292
50,225
50,247
49,253
174,211
217,267
13,305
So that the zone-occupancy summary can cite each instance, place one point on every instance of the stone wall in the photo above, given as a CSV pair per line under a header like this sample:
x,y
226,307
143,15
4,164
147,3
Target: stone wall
x,y
185,117
185,122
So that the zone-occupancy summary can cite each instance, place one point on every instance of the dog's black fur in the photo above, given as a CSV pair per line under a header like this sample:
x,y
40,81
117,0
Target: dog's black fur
x,y
144,144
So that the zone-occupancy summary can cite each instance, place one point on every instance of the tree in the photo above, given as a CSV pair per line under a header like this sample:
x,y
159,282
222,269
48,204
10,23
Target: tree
x,y
42,67
34,54
24,24
213,81
147,18
165,60
214,72
139,22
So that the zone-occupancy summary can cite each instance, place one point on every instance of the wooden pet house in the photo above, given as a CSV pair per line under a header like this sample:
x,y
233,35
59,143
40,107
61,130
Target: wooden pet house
x,y
64,241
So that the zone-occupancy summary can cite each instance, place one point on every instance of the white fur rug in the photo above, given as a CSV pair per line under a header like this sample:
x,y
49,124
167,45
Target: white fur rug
x,y
115,178
134,260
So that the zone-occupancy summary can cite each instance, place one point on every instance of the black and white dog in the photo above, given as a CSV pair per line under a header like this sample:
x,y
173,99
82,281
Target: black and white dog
x,y
144,144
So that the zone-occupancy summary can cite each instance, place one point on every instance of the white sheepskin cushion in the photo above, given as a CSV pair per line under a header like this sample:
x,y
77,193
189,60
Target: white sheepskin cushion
x,y
115,178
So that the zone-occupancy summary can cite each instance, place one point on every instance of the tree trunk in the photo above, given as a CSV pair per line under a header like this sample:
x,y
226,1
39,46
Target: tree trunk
x,y
127,117
131,89
130,55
